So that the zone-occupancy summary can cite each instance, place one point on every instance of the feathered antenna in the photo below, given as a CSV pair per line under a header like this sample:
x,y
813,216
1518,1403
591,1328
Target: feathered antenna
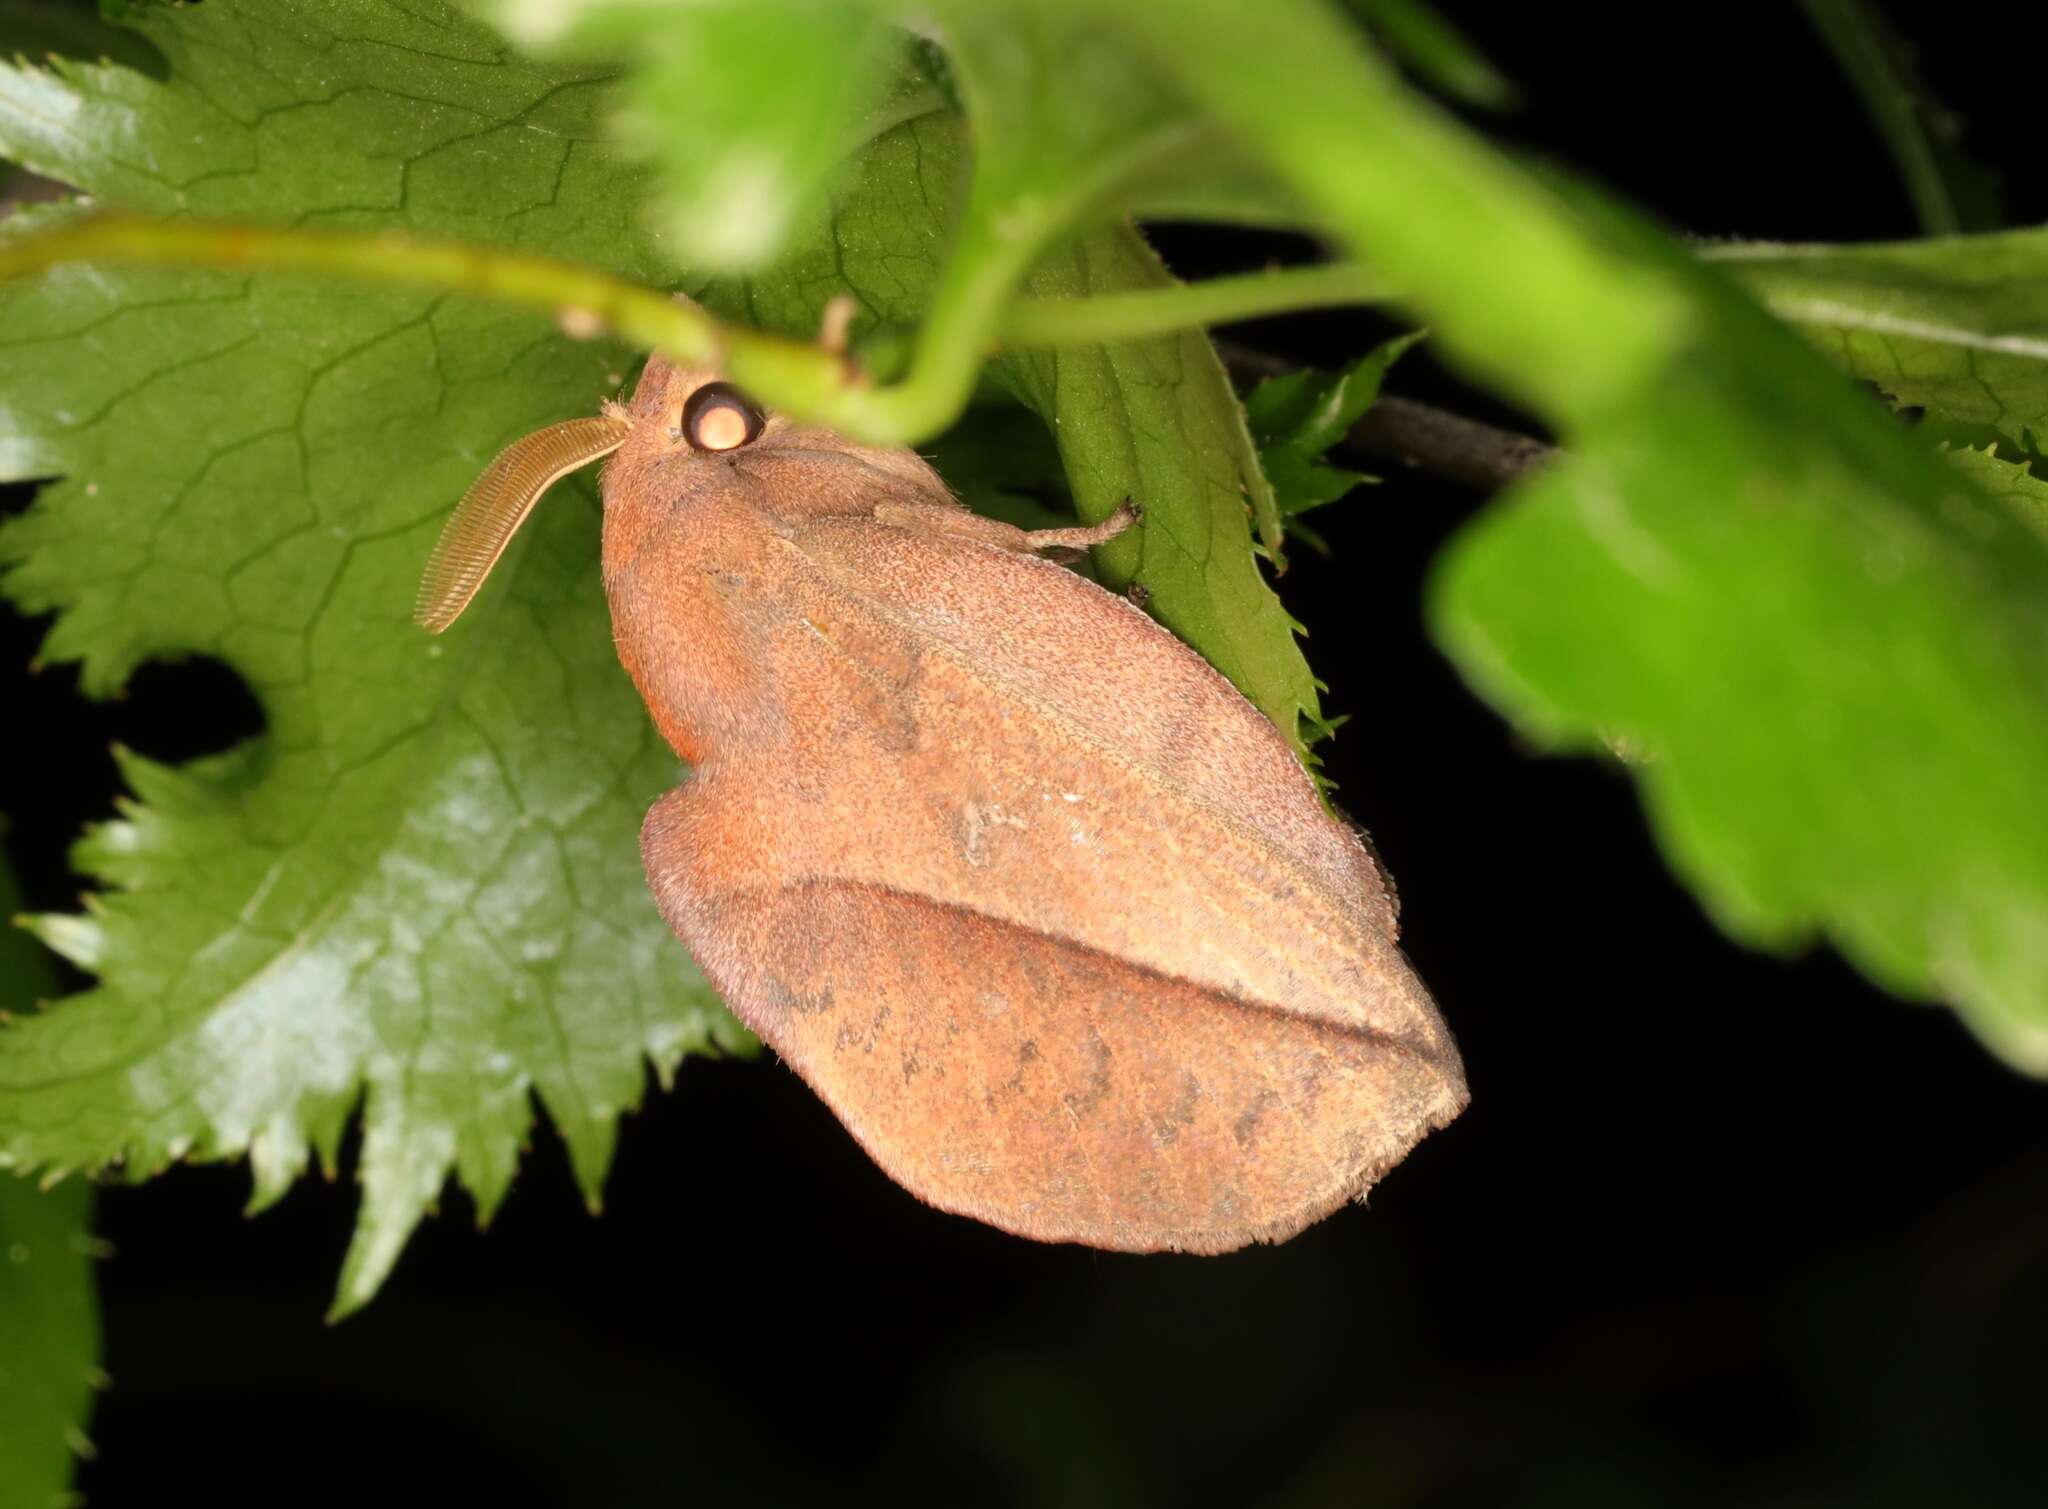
x,y
497,503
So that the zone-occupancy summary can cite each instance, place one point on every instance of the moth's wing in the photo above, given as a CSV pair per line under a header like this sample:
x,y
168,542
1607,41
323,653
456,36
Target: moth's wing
x,y
1094,660
986,728
1029,952
1030,1081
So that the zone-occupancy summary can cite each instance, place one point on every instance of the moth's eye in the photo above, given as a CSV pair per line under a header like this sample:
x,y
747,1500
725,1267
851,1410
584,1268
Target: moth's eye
x,y
718,418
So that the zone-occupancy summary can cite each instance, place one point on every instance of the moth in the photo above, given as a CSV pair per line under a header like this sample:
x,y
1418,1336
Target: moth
x,y
1042,908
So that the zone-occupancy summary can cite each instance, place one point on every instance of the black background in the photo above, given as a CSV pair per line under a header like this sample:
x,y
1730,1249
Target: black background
x,y
1718,1227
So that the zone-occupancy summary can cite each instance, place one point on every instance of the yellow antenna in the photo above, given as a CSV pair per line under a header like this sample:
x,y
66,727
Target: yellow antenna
x,y
497,503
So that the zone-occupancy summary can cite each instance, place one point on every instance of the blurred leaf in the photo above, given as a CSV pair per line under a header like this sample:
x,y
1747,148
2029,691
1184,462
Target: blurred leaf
x,y
1825,650
1957,326
1417,33
421,888
1296,418
1566,324
1821,651
745,108
48,1314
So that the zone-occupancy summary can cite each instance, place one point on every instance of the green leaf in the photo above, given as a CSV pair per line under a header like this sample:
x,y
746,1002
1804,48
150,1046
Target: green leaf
x,y
48,1314
1156,421
2011,483
1957,326
745,108
1296,418
1565,324
420,890
1821,652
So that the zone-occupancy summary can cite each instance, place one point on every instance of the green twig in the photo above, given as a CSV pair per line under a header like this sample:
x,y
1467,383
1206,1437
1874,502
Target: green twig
x,y
1000,235
584,301
1217,301
795,376
1898,112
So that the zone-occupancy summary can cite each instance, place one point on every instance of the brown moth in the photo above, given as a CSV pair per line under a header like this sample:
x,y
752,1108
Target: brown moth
x,y
1022,887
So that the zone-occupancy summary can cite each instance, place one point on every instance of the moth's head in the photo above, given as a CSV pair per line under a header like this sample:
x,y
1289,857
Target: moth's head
x,y
686,434
690,431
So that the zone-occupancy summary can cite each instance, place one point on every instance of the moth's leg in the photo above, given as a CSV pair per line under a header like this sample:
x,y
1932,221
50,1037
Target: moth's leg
x,y
959,523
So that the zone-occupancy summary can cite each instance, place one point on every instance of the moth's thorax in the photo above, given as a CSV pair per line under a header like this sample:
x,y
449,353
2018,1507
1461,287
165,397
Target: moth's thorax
x,y
696,544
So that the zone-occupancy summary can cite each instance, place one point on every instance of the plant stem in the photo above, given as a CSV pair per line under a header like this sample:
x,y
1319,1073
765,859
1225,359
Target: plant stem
x,y
1419,435
796,376
1215,301
585,301
1854,36
1445,444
